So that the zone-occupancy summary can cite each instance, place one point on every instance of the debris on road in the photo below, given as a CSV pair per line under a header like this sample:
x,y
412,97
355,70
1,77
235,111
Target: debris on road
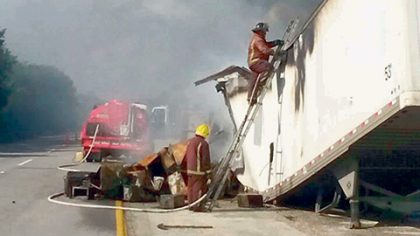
x,y
169,201
157,177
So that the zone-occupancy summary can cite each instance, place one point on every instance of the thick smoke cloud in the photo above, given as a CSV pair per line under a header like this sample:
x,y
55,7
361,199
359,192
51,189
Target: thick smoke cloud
x,y
136,49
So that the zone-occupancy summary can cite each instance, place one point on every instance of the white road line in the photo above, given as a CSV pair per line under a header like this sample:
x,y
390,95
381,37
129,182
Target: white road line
x,y
25,162
2,172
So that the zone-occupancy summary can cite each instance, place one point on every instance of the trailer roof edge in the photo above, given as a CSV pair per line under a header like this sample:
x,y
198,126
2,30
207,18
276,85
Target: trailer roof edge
x,y
305,26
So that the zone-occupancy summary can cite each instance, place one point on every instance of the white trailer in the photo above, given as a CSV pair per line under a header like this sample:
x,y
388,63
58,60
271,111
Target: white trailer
x,y
345,103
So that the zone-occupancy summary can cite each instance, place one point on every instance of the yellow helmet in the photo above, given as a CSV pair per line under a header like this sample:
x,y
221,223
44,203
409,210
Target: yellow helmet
x,y
203,130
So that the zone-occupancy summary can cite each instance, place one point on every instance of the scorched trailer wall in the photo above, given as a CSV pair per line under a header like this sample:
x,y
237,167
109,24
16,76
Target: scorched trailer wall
x,y
350,86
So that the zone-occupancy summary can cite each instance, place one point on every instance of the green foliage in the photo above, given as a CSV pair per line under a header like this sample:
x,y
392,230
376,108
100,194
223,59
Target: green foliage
x,y
43,102
6,62
36,100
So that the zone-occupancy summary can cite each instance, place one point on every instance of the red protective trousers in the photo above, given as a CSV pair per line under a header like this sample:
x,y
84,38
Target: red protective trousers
x,y
197,187
257,68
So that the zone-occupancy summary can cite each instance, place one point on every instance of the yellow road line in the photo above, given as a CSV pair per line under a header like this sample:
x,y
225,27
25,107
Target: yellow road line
x,y
119,220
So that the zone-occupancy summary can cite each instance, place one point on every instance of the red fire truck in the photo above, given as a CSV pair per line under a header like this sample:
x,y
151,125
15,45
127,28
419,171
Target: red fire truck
x,y
116,128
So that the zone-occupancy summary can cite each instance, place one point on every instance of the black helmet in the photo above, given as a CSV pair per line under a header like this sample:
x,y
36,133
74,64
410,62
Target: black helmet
x,y
262,26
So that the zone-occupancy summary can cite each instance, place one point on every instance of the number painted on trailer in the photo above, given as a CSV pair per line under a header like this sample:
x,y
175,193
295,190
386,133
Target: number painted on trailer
x,y
388,72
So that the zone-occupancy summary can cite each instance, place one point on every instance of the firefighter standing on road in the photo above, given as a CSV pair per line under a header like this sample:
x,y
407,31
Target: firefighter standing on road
x,y
198,164
259,51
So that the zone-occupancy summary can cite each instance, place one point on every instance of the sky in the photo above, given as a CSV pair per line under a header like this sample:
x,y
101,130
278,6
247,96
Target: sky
x,y
141,49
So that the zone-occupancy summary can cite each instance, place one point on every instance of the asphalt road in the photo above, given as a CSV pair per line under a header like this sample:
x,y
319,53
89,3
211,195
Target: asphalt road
x,y
28,175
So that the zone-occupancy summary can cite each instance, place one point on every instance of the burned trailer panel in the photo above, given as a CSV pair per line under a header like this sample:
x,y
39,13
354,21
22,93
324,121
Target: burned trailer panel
x,y
345,81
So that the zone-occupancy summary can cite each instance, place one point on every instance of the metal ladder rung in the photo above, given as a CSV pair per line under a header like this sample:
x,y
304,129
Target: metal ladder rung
x,y
223,169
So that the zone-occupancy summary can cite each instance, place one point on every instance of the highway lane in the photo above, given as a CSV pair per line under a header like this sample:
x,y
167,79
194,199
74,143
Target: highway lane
x,y
27,180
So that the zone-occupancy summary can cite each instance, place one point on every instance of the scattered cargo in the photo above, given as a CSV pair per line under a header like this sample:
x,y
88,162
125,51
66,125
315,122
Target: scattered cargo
x,y
74,179
170,201
177,184
156,177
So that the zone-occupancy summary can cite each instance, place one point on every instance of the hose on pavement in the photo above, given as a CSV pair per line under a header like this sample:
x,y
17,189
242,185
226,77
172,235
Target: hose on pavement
x,y
53,198
65,167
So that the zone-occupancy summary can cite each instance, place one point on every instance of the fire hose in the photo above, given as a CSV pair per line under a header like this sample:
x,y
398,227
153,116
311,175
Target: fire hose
x,y
65,167
52,198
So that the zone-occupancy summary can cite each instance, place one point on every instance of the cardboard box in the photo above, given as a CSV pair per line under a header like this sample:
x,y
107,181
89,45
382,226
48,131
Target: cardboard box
x,y
133,193
167,160
176,184
169,201
178,151
73,179
113,176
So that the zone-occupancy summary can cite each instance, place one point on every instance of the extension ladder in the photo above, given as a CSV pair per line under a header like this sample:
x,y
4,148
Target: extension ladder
x,y
222,172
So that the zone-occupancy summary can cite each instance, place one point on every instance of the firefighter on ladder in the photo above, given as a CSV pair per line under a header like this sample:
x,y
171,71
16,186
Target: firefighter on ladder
x,y
259,51
198,165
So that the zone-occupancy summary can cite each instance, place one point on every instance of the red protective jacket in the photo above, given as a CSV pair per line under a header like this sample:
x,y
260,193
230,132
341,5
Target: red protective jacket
x,y
198,156
259,49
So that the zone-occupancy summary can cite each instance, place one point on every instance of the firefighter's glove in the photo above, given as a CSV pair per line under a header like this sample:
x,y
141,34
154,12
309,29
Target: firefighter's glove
x,y
278,42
